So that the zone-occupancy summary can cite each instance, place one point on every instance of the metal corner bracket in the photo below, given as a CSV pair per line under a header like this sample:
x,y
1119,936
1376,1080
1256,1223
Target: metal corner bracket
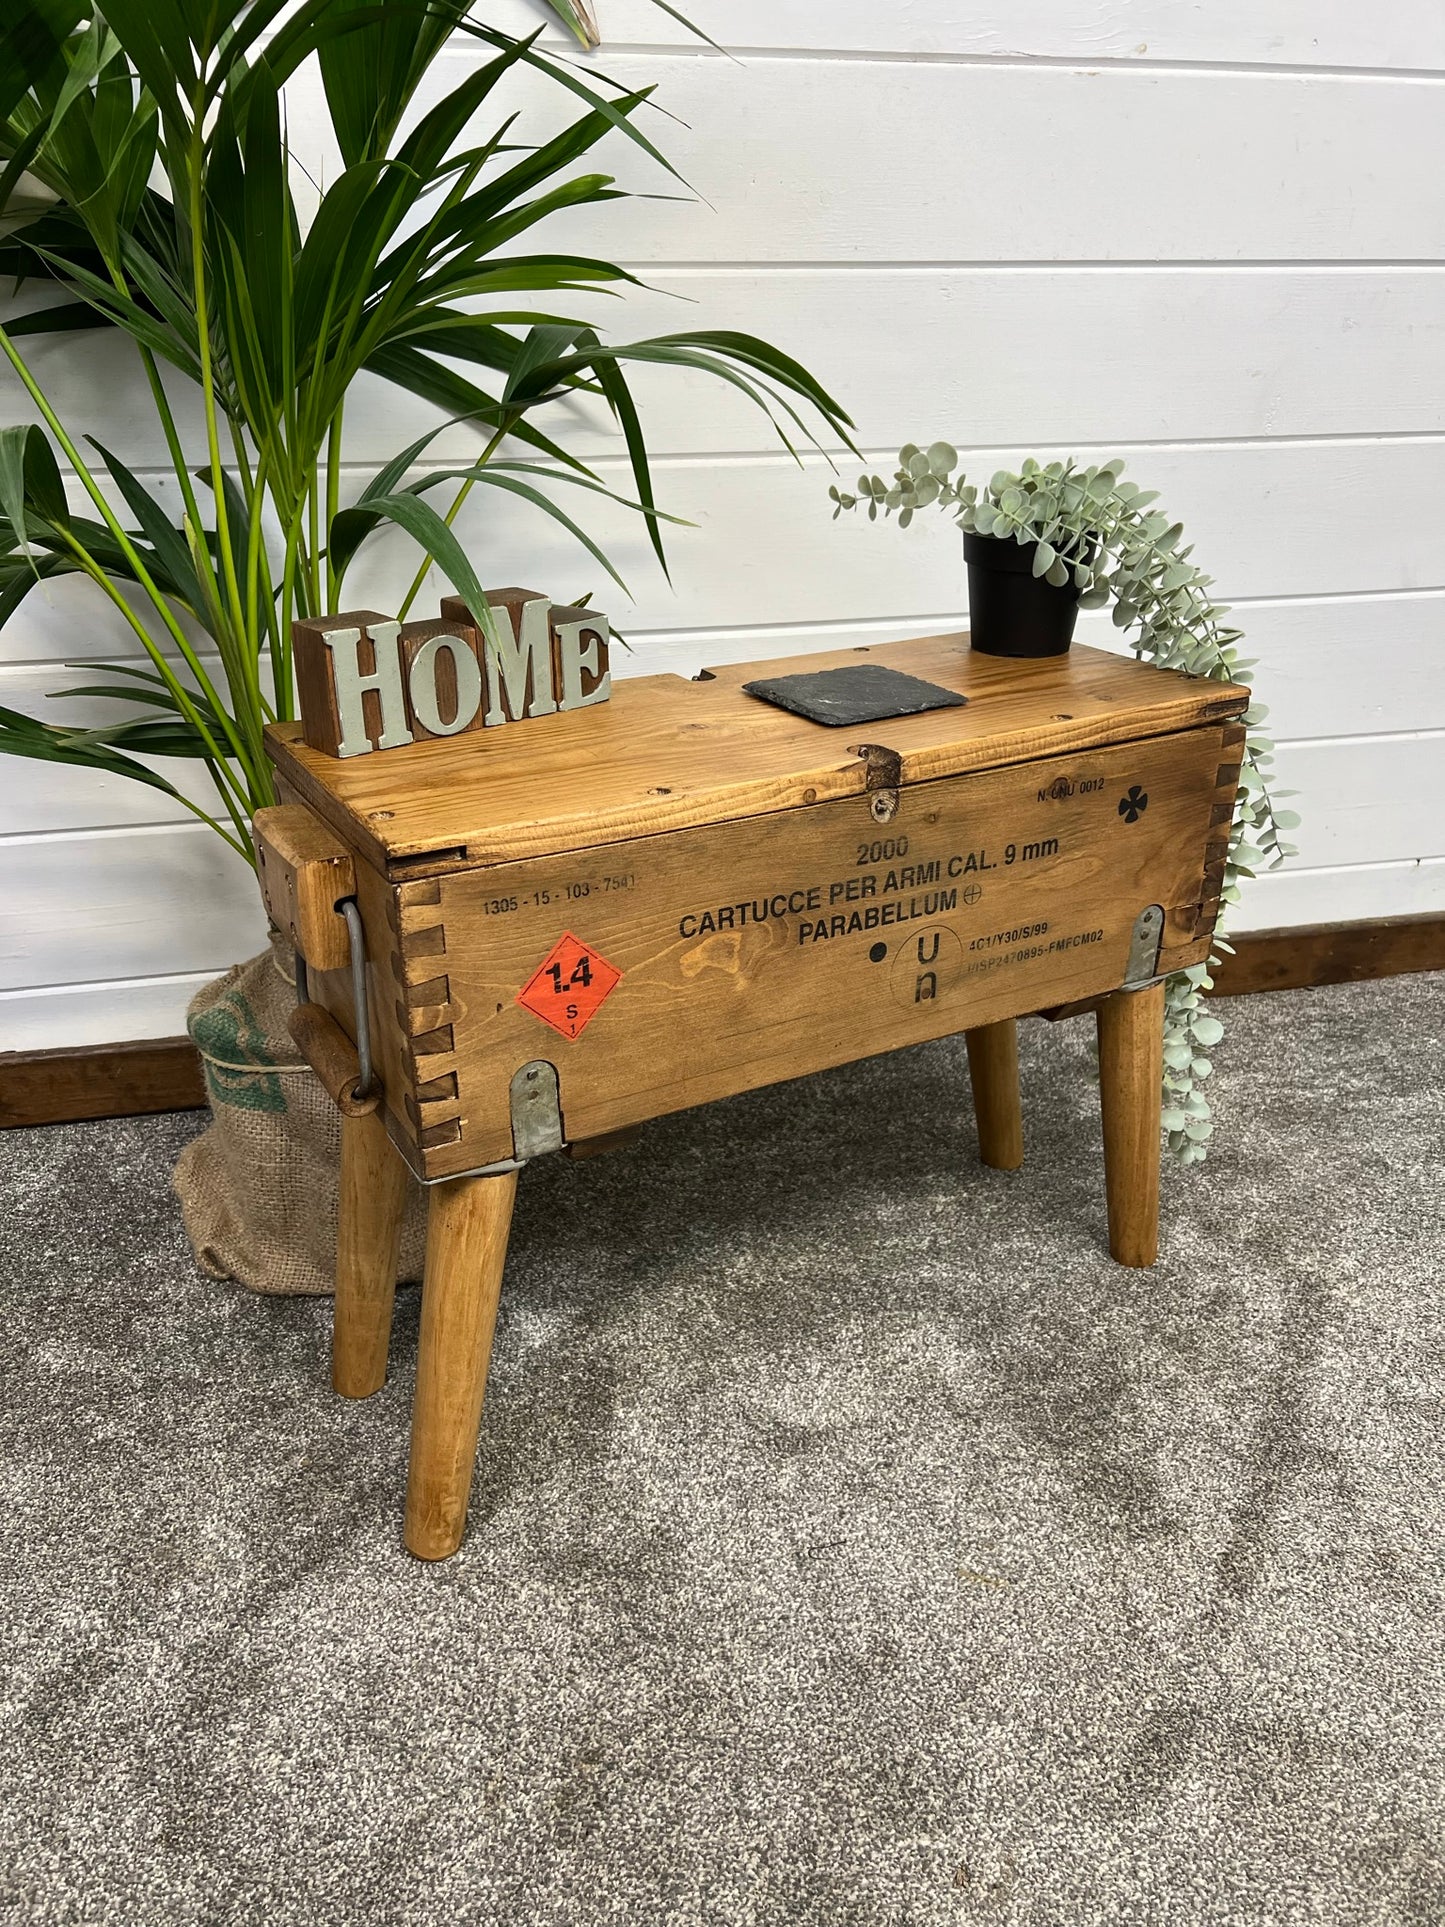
x,y
1142,967
536,1123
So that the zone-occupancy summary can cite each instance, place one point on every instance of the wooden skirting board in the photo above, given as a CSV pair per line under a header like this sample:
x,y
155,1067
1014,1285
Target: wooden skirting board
x,y
164,1074
1333,953
100,1080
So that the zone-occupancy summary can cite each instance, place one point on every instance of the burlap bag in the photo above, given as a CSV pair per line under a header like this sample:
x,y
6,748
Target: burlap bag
x,y
258,1187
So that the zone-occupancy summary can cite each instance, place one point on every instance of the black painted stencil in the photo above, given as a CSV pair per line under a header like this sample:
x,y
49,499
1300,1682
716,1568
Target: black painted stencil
x,y
861,693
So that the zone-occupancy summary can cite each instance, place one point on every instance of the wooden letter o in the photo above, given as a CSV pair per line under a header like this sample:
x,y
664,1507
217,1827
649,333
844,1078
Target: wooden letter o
x,y
422,684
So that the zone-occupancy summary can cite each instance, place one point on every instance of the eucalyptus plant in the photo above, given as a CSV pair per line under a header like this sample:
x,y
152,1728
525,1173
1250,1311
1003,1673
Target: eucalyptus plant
x,y
1103,536
146,174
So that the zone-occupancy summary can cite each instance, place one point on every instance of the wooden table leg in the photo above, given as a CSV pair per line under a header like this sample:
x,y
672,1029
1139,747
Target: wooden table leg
x,y
993,1070
368,1247
467,1225
1131,1071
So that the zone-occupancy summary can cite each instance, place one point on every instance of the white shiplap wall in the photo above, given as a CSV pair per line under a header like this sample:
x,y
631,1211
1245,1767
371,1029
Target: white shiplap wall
x,y
1206,234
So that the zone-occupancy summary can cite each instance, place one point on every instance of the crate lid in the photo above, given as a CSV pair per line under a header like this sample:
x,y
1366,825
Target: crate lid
x,y
666,753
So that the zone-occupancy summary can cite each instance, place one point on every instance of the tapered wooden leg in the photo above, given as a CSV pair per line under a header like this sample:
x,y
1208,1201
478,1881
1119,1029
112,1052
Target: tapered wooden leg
x,y
1131,1070
993,1069
466,1248
368,1246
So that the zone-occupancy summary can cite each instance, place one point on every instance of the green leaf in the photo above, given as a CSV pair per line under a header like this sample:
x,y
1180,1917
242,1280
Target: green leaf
x,y
427,528
371,69
30,484
47,743
71,318
576,15
619,398
162,534
31,38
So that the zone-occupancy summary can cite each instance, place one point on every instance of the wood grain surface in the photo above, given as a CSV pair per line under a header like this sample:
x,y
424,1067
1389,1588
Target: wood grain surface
x,y
304,871
164,1074
769,947
665,753
1131,1070
114,1080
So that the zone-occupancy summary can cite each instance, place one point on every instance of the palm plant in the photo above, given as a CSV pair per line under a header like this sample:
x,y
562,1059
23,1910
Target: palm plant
x,y
147,175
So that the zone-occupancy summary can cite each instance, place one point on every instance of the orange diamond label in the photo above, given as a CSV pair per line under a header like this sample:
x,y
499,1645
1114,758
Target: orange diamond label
x,y
570,987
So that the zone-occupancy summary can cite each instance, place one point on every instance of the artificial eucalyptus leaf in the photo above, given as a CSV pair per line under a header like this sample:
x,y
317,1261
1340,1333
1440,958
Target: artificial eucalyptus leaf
x,y
1091,527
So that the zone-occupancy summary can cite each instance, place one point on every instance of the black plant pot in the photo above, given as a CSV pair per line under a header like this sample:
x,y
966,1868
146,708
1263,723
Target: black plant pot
x,y
1011,611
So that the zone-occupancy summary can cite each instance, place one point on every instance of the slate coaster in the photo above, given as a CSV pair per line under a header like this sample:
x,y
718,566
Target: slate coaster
x,y
861,693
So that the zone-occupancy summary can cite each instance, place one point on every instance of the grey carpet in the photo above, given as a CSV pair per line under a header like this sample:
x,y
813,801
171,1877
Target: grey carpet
x,y
851,1541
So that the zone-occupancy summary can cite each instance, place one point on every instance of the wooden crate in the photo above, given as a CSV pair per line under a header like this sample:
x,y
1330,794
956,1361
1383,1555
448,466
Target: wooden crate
x,y
695,894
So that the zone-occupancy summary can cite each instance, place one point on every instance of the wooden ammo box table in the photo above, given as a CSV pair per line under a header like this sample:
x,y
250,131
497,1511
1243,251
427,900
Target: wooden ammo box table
x,y
580,922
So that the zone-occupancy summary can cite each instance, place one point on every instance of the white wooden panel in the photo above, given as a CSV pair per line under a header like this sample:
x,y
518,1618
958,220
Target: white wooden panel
x,y
144,903
1232,327
1133,354
1367,665
1295,33
135,903
1349,667
74,1015
94,383
817,160
1137,354
1361,894
59,796
1268,519
147,904
69,622
114,1012
1373,799
1311,656
1360,665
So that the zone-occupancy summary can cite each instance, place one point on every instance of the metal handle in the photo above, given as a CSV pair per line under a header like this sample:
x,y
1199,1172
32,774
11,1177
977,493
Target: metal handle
x,y
366,1078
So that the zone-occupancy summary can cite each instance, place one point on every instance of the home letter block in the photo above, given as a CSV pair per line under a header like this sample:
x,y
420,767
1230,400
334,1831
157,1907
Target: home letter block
x,y
366,682
348,678
579,651
519,675
443,666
